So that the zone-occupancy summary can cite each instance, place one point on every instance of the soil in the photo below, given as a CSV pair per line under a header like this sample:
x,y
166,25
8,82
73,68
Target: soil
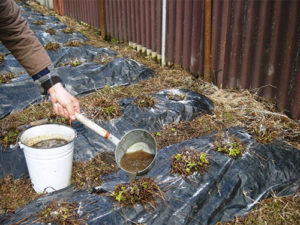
x,y
188,162
143,190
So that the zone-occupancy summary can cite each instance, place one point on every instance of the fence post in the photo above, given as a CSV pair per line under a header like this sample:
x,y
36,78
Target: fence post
x,y
207,41
102,19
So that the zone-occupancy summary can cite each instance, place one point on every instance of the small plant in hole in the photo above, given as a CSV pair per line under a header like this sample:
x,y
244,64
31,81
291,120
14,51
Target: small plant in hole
x,y
39,22
103,59
1,57
144,101
75,63
9,137
229,145
59,212
176,97
51,31
103,109
144,191
68,30
72,63
73,43
188,162
51,46
264,133
7,77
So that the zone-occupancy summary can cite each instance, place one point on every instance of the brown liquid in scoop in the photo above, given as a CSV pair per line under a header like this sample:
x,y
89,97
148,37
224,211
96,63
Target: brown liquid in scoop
x,y
50,143
136,161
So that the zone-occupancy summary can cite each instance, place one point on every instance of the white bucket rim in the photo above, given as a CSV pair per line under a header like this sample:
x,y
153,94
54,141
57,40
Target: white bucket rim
x,y
21,142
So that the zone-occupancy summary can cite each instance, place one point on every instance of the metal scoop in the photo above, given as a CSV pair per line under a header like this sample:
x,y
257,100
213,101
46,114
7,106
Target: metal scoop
x,y
134,140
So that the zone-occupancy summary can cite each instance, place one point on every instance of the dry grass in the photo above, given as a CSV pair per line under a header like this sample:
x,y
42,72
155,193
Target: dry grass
x,y
51,46
7,77
275,210
2,56
86,175
15,193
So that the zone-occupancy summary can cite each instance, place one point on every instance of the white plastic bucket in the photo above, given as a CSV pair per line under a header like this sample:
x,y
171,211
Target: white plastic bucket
x,y
49,169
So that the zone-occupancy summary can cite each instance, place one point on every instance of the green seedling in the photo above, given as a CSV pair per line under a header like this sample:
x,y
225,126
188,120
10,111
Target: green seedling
x,y
59,213
144,101
143,191
203,158
158,134
76,63
188,162
229,145
173,129
109,110
9,138
145,185
119,196
178,156
176,97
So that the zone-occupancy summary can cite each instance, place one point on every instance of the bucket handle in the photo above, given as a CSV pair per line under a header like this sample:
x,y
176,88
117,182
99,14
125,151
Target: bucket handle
x,y
95,127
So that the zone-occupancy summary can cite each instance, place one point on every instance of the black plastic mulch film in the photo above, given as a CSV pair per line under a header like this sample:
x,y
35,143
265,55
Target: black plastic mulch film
x,y
229,188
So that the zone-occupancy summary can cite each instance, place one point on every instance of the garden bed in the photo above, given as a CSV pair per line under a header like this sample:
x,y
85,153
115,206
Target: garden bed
x,y
171,105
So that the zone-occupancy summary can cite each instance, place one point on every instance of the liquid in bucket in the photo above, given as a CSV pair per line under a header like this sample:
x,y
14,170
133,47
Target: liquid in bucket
x,y
50,143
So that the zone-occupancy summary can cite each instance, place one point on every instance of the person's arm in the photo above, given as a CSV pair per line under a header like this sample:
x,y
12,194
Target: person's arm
x,y
17,37
20,40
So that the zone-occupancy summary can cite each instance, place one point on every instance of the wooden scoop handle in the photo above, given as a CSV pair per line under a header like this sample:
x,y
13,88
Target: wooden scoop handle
x,y
95,127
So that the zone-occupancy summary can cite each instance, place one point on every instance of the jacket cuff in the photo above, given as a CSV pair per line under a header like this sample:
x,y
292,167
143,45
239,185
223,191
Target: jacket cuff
x,y
45,79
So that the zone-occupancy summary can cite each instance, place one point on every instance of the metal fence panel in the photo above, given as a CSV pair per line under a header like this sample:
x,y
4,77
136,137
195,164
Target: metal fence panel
x,y
86,11
255,45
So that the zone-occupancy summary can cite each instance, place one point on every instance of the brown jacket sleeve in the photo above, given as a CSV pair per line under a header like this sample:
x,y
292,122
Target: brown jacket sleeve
x,y
17,37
